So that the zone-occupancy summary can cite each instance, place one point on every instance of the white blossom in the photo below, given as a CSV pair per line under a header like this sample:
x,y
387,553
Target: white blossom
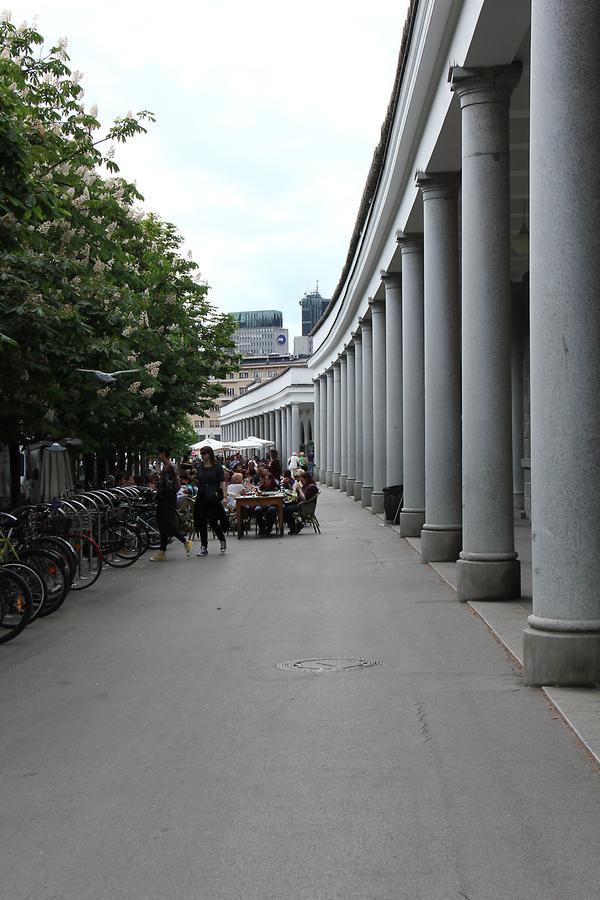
x,y
134,387
94,110
148,392
102,392
153,368
50,414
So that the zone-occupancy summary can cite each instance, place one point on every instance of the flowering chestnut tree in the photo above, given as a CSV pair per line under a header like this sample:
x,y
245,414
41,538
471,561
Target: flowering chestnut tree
x,y
87,279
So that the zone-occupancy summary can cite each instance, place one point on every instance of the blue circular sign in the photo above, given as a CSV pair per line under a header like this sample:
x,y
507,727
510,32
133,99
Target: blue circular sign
x,y
281,339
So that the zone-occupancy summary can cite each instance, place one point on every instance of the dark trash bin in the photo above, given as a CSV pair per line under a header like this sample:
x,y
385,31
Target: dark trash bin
x,y
392,499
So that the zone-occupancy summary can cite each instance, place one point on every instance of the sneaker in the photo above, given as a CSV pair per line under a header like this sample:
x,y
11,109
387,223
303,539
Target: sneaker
x,y
159,556
203,551
189,546
223,546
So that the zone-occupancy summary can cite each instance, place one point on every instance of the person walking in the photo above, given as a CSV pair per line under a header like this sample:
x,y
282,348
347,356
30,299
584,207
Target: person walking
x,y
209,508
166,507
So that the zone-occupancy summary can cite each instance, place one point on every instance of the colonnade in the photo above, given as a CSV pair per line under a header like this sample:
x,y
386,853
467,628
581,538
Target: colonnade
x,y
428,392
288,427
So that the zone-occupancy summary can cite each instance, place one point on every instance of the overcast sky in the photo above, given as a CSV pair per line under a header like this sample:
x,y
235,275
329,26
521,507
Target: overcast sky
x,y
267,118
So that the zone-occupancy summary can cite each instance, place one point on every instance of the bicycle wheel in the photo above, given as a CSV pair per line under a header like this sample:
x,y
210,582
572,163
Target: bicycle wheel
x,y
34,582
152,526
121,546
89,561
15,605
144,533
62,547
51,569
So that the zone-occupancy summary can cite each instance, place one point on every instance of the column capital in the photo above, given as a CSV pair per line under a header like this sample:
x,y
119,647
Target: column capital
x,y
409,243
438,185
377,307
490,84
349,348
390,279
365,323
357,335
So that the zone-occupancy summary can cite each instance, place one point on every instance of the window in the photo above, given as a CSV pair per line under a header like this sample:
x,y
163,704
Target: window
x,y
230,392
214,423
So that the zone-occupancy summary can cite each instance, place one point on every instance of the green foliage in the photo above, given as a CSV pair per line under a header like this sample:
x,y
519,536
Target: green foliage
x,y
87,280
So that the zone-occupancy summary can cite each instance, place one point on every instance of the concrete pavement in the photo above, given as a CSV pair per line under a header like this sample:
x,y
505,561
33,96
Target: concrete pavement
x,y
152,749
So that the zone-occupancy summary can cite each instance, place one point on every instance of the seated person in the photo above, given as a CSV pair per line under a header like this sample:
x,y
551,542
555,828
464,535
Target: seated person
x,y
186,489
306,490
234,490
288,488
265,514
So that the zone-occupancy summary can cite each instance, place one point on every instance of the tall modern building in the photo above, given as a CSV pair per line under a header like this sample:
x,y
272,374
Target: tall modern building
x,y
260,333
313,307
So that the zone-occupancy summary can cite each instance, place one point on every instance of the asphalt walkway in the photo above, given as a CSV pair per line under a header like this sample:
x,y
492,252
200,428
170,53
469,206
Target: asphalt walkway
x,y
152,750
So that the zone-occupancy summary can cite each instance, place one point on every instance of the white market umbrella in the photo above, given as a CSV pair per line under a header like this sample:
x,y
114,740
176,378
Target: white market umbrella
x,y
210,442
251,443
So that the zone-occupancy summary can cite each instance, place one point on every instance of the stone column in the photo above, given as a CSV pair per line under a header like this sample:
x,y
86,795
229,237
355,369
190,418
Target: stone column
x,y
519,325
337,424
295,427
441,537
350,419
343,421
412,514
277,438
379,405
322,457
392,282
290,431
367,429
562,646
271,434
316,425
358,413
284,439
488,566
330,426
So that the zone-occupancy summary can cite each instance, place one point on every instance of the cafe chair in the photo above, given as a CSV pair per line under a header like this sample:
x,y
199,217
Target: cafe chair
x,y
305,514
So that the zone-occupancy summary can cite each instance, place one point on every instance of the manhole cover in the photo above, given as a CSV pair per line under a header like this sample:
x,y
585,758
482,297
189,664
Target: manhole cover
x,y
329,664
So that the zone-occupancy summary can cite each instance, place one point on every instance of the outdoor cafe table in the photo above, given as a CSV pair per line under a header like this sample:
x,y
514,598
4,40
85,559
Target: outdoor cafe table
x,y
266,499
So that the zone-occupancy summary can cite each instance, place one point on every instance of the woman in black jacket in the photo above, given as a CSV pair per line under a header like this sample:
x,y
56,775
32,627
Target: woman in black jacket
x,y
210,480
166,507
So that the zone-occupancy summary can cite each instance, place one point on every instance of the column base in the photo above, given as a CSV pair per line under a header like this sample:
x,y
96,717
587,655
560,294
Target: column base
x,y
365,495
377,502
335,480
357,489
440,544
322,476
565,659
328,478
350,487
411,522
343,482
483,580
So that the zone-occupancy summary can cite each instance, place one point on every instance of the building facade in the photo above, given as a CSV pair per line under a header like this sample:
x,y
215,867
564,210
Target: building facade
x,y
260,333
252,372
313,307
